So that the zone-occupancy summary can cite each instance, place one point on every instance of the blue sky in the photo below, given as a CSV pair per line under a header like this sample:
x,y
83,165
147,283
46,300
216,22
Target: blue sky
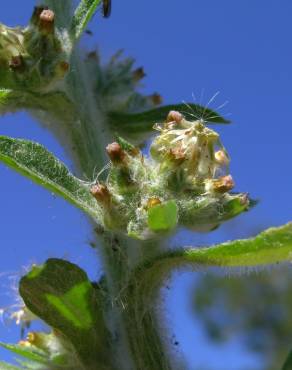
x,y
242,49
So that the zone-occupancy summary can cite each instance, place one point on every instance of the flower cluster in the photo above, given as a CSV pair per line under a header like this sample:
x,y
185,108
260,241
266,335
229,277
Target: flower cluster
x,y
36,57
186,182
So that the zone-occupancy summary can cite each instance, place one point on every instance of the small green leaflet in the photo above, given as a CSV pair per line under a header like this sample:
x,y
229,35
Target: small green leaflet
x,y
4,95
163,217
83,13
32,354
60,293
4,366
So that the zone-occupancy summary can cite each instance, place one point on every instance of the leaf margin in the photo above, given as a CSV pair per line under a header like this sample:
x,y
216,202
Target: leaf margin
x,y
82,15
88,206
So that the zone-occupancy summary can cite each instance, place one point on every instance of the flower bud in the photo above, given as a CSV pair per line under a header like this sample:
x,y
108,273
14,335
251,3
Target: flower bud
x,y
31,337
138,74
62,68
245,201
16,63
40,340
177,154
156,99
221,185
221,157
35,18
46,21
151,202
174,116
92,55
101,194
116,153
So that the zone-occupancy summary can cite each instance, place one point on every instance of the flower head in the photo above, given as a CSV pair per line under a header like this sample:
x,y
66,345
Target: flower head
x,y
185,182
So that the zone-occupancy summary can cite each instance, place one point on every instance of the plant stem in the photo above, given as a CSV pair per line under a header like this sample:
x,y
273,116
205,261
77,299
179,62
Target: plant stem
x,y
81,125
86,138
133,317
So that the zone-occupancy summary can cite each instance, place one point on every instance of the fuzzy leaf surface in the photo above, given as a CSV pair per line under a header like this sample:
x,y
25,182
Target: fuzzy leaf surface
x,y
271,246
5,366
144,121
83,13
61,294
32,354
35,162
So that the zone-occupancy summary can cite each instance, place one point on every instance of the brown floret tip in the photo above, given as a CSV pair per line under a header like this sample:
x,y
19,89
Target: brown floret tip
x,y
16,63
174,116
115,152
223,184
47,15
156,99
138,74
101,194
47,18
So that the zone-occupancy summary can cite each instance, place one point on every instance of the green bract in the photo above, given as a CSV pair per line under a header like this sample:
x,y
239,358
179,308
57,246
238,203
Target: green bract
x,y
82,16
60,293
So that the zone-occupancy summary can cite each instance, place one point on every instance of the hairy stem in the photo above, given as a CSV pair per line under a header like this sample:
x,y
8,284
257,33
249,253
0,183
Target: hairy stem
x,y
85,133
136,323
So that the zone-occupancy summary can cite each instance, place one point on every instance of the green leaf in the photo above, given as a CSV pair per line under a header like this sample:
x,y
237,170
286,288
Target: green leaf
x,y
163,217
5,366
8,99
61,294
82,16
142,122
4,94
29,365
288,363
31,353
125,145
271,246
34,161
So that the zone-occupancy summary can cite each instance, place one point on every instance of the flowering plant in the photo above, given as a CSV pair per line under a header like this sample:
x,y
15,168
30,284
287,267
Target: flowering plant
x,y
185,182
